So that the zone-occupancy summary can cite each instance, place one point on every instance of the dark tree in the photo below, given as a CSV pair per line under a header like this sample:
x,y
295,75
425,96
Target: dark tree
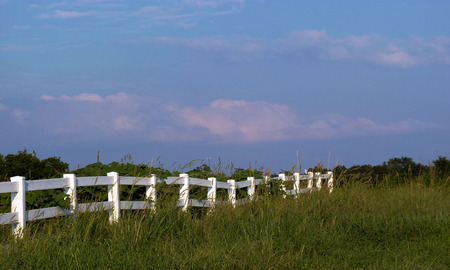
x,y
30,166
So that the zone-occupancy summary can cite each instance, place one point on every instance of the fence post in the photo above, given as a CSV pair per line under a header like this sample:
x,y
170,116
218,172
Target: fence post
x,y
114,197
251,190
18,206
282,177
71,191
297,184
267,181
212,191
318,176
330,181
232,192
184,191
150,192
310,180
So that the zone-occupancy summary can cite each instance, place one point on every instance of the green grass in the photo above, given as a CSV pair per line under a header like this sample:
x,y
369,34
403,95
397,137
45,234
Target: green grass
x,y
357,226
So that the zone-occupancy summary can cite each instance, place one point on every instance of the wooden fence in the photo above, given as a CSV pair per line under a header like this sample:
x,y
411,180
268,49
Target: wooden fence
x,y
19,186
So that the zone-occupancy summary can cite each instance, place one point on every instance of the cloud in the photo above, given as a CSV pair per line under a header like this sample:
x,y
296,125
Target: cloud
x,y
80,97
210,3
239,49
402,53
337,126
19,48
316,44
91,117
239,120
63,14
20,115
181,13
21,27
243,121
397,58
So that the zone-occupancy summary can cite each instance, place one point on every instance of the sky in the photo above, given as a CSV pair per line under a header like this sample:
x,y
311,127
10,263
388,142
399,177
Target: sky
x,y
266,84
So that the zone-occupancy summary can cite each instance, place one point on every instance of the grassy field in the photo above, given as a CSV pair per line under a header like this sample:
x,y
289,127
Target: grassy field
x,y
404,226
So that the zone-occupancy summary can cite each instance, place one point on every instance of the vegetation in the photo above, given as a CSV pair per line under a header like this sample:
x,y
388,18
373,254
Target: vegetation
x,y
389,216
357,226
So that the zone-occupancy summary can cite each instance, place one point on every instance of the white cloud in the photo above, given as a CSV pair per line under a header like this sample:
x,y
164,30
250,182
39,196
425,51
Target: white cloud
x,y
64,14
183,14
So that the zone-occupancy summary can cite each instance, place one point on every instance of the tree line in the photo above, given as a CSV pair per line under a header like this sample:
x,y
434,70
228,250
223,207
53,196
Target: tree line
x,y
31,167
395,170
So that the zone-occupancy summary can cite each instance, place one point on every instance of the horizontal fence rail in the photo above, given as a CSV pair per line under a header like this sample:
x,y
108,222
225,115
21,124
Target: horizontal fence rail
x,y
69,183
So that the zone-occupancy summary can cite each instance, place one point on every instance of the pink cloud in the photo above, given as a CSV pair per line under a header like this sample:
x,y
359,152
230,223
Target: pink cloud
x,y
401,53
238,120
80,97
397,57
92,117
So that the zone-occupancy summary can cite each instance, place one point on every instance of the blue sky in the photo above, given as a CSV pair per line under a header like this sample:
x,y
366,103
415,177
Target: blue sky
x,y
240,80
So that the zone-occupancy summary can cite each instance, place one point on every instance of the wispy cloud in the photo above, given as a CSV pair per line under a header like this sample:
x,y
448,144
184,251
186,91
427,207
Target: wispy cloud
x,y
183,13
237,49
22,27
80,97
68,14
90,116
315,44
210,3
21,48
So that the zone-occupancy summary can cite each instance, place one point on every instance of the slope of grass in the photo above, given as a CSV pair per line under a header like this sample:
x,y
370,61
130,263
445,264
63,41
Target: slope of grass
x,y
357,226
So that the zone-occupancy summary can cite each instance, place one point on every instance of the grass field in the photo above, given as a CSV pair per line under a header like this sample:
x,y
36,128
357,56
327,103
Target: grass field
x,y
404,226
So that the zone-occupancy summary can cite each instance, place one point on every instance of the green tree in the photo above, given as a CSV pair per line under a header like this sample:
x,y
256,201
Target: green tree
x,y
442,165
240,174
30,166
404,166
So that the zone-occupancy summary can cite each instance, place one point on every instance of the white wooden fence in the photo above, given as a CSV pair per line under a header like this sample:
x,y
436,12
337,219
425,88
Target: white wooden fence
x,y
19,186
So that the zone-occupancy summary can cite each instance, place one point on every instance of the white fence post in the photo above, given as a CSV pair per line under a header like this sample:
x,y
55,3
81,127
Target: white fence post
x,y
267,182
251,190
297,183
114,197
282,177
212,191
310,180
71,191
150,192
18,206
318,177
232,192
184,191
330,181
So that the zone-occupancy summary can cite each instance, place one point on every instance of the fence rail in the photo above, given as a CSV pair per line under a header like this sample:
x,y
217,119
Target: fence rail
x,y
19,186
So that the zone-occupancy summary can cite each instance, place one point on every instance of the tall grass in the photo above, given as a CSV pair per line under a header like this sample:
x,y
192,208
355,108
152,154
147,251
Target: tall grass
x,y
357,226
